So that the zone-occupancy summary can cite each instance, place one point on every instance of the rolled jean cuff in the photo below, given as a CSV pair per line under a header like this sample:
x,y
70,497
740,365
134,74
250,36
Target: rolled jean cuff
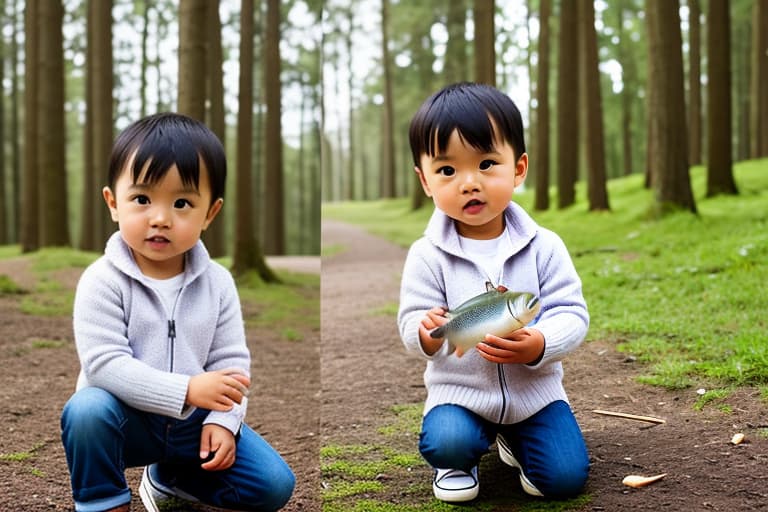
x,y
123,498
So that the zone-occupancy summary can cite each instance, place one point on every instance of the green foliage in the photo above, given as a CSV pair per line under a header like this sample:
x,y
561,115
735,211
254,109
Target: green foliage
x,y
8,286
684,293
709,397
22,456
56,258
9,251
407,419
389,310
286,307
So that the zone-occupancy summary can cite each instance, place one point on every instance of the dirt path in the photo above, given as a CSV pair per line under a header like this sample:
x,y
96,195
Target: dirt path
x,y
38,370
365,371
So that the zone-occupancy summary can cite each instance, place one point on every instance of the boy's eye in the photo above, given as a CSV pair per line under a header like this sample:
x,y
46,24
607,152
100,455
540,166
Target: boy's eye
x,y
487,164
141,199
446,171
181,203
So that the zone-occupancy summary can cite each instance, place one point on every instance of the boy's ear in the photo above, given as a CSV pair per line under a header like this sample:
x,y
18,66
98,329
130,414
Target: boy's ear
x,y
212,212
521,169
423,181
109,198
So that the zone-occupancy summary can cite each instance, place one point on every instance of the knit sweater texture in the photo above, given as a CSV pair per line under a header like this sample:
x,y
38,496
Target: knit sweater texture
x,y
438,272
125,342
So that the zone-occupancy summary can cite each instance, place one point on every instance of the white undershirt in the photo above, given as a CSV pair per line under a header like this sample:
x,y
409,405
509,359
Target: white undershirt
x,y
489,255
168,290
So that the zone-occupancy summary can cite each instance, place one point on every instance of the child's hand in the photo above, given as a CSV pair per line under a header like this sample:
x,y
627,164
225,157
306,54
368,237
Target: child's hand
x,y
522,346
435,318
218,390
219,442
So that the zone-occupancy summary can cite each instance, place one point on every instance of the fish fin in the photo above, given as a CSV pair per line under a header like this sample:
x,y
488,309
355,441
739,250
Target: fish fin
x,y
437,333
489,286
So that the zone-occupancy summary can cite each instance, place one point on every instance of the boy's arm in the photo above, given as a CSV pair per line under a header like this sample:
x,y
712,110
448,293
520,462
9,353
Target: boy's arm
x,y
420,292
564,319
229,350
107,358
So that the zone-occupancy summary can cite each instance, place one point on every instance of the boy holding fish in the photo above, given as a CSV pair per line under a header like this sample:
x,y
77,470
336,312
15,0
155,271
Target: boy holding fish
x,y
469,153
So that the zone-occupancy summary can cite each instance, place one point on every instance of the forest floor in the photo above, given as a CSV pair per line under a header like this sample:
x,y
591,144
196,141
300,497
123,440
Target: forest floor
x,y
367,377
368,389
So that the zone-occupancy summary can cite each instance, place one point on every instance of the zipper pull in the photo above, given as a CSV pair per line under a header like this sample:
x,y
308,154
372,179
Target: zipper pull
x,y
172,329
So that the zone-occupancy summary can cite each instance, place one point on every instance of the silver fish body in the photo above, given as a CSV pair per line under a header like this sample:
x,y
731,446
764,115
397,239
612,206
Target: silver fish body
x,y
493,312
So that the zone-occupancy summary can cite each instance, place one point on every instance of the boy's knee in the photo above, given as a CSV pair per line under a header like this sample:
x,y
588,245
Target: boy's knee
x,y
88,410
561,483
274,495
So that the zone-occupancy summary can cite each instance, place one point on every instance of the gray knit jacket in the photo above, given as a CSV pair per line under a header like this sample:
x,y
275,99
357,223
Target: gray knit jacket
x,y
438,273
128,346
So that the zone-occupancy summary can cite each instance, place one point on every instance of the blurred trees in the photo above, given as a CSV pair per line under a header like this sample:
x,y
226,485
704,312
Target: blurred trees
x,y
623,87
158,63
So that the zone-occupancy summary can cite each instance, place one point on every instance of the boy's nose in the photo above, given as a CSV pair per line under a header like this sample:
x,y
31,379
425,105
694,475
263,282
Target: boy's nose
x,y
470,184
160,217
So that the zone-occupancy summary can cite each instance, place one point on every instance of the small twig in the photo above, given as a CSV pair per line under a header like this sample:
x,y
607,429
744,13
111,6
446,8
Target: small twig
x,y
649,419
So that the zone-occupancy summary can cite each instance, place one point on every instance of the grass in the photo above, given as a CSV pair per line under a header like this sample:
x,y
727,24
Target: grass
x,y
685,293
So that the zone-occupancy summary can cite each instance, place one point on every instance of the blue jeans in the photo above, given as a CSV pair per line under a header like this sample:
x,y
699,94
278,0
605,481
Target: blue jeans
x,y
548,445
102,436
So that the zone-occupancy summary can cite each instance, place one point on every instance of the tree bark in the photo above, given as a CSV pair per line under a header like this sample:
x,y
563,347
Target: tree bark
x,y
455,68
567,104
29,221
485,54
597,192
247,254
694,82
759,93
50,137
274,237
388,181
669,135
719,133
192,39
541,166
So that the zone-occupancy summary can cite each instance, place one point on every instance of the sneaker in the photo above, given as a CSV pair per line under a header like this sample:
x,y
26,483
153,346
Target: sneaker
x,y
157,497
508,458
455,485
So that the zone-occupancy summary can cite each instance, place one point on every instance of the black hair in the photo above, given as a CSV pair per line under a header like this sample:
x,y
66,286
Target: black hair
x,y
473,110
166,139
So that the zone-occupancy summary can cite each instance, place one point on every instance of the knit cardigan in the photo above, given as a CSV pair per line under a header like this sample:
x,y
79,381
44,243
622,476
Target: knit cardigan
x,y
128,346
437,272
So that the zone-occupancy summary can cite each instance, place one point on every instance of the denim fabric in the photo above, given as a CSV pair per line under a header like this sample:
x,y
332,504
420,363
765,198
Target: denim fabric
x,y
102,436
548,445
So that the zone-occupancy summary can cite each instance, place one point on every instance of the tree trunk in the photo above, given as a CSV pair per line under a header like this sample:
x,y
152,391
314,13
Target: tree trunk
x,y
50,139
349,192
759,93
215,234
29,221
247,254
669,135
192,38
541,165
455,68
144,57
485,38
719,134
595,142
4,211
99,125
628,92
694,82
388,183
567,104
274,238
15,149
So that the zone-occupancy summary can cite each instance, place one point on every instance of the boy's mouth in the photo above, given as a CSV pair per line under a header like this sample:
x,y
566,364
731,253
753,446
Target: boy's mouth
x,y
158,240
473,206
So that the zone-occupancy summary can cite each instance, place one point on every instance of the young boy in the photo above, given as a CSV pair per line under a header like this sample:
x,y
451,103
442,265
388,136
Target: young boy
x,y
468,148
161,341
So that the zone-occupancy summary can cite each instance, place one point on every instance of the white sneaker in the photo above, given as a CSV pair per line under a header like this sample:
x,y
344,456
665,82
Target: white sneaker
x,y
157,497
455,485
506,456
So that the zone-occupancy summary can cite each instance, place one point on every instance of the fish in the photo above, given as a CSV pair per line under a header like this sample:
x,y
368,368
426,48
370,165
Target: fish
x,y
497,311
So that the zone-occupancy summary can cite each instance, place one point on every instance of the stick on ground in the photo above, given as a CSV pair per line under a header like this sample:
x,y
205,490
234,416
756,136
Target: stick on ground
x,y
649,419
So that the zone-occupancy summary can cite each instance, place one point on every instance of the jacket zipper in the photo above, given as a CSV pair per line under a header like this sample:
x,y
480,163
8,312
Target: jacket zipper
x,y
503,386
172,330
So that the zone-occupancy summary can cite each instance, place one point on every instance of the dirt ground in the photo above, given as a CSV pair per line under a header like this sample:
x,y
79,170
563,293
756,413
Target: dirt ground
x,y
37,377
365,371
338,390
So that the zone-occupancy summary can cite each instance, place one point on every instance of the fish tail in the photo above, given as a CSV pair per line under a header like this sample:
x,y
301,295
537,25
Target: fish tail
x,y
437,333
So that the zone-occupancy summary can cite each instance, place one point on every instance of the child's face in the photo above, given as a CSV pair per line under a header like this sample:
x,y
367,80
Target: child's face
x,y
162,221
473,187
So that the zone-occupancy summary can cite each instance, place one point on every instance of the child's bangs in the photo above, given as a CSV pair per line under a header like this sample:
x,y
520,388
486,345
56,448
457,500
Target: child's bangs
x,y
472,123
155,156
